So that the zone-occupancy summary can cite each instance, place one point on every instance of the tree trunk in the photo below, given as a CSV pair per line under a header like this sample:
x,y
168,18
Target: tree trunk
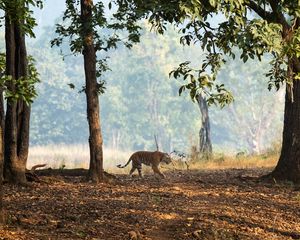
x,y
288,166
205,146
95,138
2,219
17,113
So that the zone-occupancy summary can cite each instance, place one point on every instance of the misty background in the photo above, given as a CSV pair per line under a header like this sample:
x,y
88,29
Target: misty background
x,y
141,100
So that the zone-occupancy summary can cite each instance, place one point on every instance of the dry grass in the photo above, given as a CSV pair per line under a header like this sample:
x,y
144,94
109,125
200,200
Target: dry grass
x,y
77,156
223,162
72,156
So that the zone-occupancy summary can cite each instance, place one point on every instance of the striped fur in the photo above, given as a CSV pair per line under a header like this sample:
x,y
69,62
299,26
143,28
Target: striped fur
x,y
152,159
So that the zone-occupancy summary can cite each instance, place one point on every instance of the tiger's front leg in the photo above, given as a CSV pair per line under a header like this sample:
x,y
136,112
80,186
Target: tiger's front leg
x,y
156,170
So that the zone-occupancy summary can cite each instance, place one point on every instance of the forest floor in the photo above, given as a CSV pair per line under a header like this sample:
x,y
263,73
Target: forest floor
x,y
195,204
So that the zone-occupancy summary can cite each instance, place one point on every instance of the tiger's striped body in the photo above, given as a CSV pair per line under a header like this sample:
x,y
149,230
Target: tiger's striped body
x,y
152,159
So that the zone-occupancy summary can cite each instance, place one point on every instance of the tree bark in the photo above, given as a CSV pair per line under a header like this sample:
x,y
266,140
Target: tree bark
x,y
93,113
17,113
288,166
205,146
2,218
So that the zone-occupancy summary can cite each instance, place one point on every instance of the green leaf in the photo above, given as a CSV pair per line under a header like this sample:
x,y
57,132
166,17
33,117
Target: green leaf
x,y
71,85
212,3
181,89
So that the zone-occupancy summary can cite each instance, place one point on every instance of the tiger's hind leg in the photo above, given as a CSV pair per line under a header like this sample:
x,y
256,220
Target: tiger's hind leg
x,y
139,168
132,170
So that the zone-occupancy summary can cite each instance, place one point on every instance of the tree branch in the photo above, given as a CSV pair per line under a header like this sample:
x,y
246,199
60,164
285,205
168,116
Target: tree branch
x,y
268,16
278,15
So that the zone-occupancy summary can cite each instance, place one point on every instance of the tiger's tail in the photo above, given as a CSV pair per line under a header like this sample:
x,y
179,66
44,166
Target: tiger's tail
x,y
120,166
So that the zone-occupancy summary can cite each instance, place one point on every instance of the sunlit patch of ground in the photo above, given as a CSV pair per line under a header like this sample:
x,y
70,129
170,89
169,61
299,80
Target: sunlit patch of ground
x,y
196,204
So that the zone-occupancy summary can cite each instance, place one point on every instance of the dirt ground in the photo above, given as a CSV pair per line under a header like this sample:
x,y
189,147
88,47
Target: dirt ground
x,y
222,204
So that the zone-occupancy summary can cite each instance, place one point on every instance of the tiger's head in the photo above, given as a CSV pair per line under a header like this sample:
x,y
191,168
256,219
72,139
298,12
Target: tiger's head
x,y
166,158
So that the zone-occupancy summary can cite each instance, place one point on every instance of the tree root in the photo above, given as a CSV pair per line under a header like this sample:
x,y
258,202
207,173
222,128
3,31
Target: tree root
x,y
31,176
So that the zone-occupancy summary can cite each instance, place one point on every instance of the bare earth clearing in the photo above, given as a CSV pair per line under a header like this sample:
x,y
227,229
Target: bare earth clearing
x,y
223,204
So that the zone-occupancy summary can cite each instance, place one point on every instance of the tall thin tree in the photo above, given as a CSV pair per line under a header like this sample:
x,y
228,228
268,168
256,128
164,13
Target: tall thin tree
x,y
205,145
91,90
17,113
2,220
89,31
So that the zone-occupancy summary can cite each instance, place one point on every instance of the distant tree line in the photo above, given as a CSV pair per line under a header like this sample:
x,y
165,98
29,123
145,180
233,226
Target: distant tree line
x,y
132,99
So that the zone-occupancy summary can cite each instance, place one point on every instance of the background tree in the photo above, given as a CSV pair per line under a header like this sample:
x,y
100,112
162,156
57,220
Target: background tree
x,y
205,145
142,72
56,115
253,122
85,21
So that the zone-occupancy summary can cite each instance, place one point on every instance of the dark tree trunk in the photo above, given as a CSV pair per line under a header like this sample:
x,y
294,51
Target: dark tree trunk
x,y
288,166
93,113
2,219
17,113
205,146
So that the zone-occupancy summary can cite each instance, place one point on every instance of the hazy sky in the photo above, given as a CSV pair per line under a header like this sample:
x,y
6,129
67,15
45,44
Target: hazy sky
x,y
51,11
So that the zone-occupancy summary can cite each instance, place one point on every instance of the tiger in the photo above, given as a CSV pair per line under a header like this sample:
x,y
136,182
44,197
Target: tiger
x,y
148,158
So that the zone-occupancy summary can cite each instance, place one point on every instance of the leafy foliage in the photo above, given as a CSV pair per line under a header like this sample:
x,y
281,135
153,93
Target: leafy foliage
x,y
20,11
24,87
221,26
199,83
107,33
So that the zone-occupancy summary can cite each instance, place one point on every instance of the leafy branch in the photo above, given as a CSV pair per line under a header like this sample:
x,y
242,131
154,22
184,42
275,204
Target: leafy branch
x,y
24,87
199,82
107,33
